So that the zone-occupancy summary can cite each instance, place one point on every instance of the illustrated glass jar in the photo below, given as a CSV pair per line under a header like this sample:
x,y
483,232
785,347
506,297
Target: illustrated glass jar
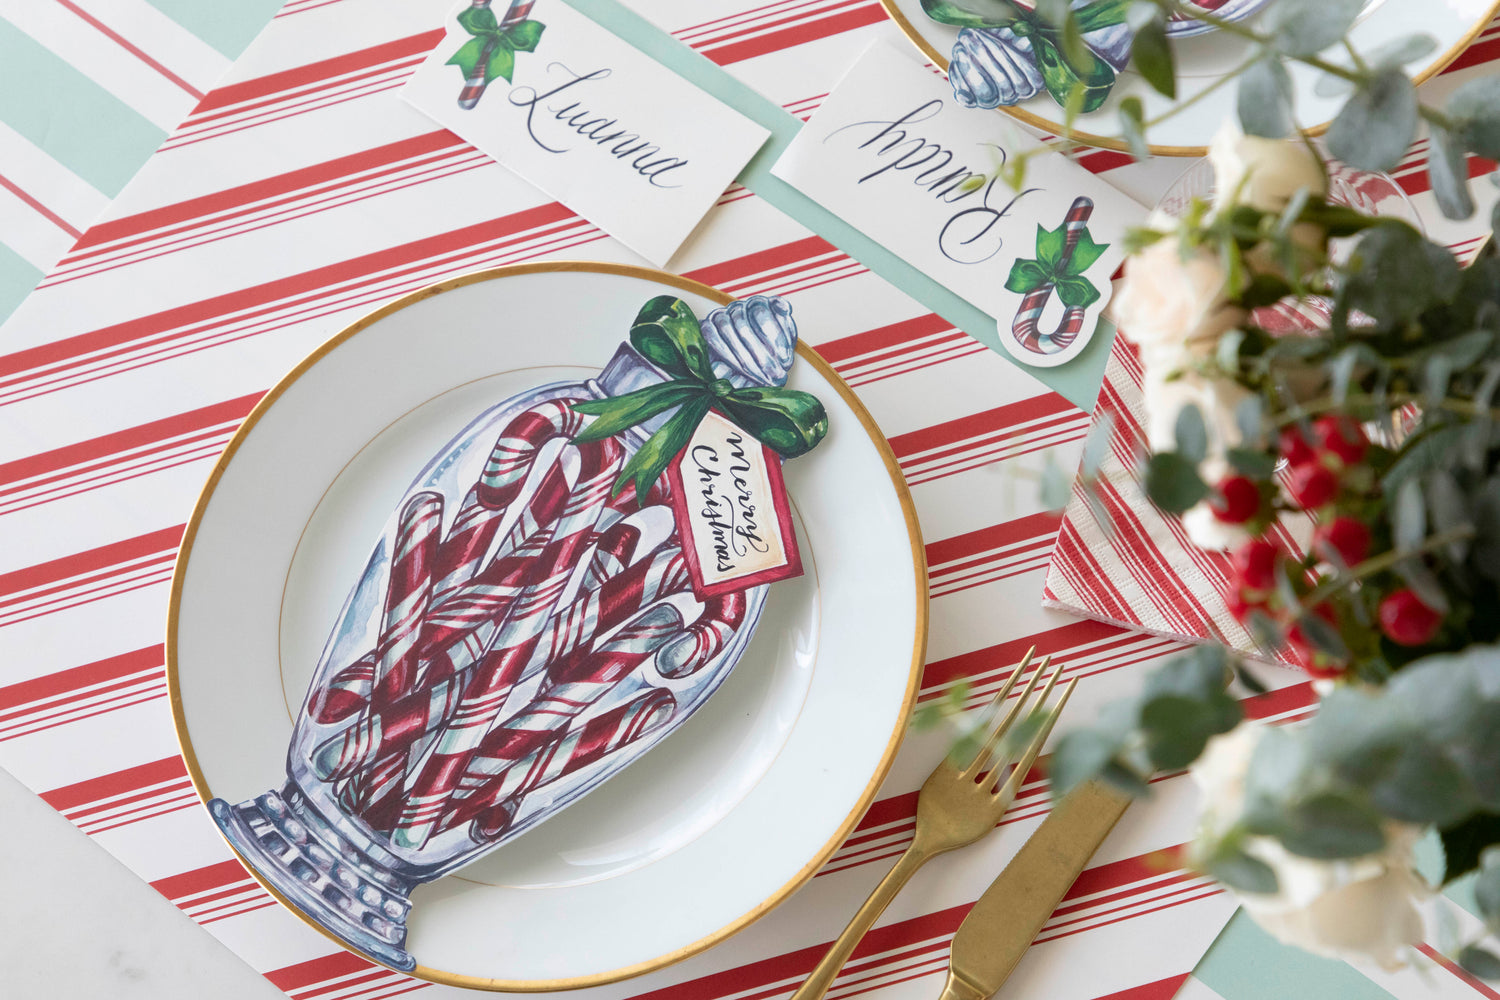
x,y
518,636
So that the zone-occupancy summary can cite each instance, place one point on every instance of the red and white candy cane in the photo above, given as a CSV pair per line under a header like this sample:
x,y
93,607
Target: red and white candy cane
x,y
505,751
491,807
483,509
1030,312
474,85
689,652
407,592
461,680
497,673
347,692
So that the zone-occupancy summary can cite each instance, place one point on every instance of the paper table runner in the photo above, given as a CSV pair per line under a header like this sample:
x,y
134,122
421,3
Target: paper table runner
x,y
294,200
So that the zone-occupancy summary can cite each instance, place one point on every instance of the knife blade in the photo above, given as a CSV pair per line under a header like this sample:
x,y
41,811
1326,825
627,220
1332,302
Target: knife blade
x,y
1002,924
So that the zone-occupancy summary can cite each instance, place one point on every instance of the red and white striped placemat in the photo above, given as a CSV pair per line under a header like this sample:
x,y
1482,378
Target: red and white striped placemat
x,y
301,194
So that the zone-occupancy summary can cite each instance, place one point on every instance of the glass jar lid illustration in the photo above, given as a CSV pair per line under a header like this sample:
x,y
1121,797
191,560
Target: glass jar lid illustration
x,y
1007,53
533,618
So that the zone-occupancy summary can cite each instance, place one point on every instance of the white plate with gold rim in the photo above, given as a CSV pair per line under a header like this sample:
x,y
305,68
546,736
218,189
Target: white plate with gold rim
x,y
1203,58
708,831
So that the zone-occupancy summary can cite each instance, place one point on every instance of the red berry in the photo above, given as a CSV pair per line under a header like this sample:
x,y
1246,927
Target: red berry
x,y
1254,564
1294,447
1406,621
1347,536
1240,606
1313,485
1238,500
1298,640
1342,437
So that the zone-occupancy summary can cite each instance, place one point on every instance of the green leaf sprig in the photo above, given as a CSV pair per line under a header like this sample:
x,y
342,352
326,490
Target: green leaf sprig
x,y
667,334
493,48
1055,265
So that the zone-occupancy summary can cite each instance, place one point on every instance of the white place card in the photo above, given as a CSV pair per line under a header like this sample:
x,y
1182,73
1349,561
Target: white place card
x,y
588,118
892,153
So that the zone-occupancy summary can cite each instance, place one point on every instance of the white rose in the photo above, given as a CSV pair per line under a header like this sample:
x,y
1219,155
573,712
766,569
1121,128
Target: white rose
x,y
1262,173
1167,299
1359,909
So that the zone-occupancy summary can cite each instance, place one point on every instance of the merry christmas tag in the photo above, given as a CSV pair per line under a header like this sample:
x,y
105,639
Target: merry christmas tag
x,y
731,504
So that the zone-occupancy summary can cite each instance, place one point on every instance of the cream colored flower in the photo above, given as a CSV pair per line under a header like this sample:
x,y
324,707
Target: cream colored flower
x,y
1168,299
1265,174
1262,173
1362,910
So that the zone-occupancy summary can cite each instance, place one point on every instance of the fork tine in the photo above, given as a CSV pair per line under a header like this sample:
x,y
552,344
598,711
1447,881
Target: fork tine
x,y
1010,682
1013,784
982,758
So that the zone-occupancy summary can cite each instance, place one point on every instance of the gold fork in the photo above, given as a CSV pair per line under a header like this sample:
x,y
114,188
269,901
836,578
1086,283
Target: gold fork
x,y
954,809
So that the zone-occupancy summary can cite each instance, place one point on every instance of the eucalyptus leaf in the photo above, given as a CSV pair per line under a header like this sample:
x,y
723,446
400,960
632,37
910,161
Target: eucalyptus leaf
x,y
1329,825
1079,755
1448,170
1306,27
1402,50
1173,483
1487,888
1324,637
1436,371
1377,124
1250,418
1242,872
1422,455
1264,99
1425,786
1331,85
1056,487
1421,580
1191,434
1448,508
1096,446
1255,464
1340,372
1476,108
1133,127
1152,56
1395,275
1480,962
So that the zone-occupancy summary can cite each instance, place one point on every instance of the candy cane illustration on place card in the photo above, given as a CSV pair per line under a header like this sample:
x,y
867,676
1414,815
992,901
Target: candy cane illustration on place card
x,y
492,51
560,588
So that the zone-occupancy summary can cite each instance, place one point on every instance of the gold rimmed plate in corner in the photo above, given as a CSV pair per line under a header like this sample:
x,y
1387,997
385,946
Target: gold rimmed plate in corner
x,y
1202,58
707,831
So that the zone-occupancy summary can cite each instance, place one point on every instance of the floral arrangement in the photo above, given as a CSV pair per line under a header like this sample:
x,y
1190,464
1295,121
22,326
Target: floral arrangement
x,y
1320,389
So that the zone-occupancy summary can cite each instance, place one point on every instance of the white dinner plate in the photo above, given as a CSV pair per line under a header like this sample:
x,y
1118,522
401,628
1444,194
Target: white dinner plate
x,y
1202,58
709,830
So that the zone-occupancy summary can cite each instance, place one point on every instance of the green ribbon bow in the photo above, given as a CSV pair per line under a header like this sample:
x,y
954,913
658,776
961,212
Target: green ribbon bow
x,y
1059,75
492,47
1054,266
666,333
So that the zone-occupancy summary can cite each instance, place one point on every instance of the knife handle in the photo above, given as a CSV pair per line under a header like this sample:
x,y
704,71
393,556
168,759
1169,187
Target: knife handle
x,y
827,970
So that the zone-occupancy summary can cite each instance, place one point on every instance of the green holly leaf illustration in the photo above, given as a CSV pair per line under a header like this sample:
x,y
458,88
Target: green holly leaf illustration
x,y
1050,244
1075,291
524,36
468,56
502,63
1085,252
1027,276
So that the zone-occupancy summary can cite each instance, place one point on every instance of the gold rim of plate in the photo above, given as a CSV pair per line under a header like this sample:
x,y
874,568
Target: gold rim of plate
x,y
1119,145
918,655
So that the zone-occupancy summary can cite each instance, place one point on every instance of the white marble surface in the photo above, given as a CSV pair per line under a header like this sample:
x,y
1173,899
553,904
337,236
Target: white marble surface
x,y
77,923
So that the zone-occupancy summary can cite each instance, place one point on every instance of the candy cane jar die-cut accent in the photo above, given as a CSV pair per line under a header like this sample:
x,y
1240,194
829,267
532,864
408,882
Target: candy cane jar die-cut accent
x,y
536,646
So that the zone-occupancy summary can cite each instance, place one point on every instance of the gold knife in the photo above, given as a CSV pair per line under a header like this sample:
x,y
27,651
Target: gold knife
x,y
1001,926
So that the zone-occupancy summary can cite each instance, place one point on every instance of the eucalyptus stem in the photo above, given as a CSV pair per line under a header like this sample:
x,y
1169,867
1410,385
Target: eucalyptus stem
x,y
1200,95
1323,404
1384,562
